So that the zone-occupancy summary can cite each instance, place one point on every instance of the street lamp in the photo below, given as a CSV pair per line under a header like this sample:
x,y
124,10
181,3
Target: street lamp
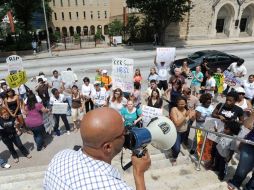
x,y
46,24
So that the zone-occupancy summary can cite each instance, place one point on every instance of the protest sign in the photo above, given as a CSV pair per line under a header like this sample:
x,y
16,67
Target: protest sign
x,y
117,39
15,80
68,77
14,64
60,108
219,78
210,123
166,55
148,113
48,122
230,79
122,74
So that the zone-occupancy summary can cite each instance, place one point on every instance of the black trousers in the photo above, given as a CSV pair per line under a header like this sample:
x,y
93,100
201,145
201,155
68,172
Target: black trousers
x,y
163,84
220,165
14,139
89,105
64,119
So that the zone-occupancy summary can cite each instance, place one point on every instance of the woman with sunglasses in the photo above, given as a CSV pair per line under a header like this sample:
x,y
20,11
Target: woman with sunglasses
x,y
117,101
155,100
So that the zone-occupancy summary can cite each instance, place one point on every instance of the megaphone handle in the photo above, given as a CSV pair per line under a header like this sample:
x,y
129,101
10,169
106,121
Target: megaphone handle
x,y
127,166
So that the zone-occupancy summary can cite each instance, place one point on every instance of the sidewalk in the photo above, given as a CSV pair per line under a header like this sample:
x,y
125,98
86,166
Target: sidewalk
x,y
138,47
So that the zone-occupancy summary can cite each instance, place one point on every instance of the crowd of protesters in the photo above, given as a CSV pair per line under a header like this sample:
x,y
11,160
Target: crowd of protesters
x,y
191,97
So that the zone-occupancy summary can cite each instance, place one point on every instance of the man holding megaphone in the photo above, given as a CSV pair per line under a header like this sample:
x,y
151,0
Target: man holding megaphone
x,y
104,135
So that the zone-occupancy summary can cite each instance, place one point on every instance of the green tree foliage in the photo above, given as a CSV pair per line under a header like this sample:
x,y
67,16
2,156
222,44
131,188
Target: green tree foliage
x,y
23,11
115,28
132,28
161,12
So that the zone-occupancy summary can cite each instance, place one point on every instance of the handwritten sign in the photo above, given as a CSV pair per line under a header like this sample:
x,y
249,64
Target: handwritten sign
x,y
210,123
166,55
230,79
48,122
122,74
148,113
68,77
59,108
14,64
117,39
219,78
15,80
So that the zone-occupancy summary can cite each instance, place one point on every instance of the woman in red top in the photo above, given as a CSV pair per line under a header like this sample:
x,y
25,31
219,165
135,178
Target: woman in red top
x,y
137,76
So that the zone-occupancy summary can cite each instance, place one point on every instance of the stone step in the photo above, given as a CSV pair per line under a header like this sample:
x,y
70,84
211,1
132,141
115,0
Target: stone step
x,y
213,186
34,184
176,178
11,172
19,177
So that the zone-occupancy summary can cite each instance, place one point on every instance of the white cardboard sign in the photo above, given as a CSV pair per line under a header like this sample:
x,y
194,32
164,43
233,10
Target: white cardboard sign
x,y
59,108
166,55
149,113
122,74
15,63
68,77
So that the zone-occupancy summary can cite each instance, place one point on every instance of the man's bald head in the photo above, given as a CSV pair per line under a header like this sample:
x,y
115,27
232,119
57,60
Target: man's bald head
x,y
99,126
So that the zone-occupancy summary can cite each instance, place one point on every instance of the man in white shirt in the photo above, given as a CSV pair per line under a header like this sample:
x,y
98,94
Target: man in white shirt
x,y
238,69
56,80
163,74
249,87
99,96
102,132
59,98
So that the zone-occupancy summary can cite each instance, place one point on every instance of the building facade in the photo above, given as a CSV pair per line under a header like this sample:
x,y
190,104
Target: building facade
x,y
210,19
84,17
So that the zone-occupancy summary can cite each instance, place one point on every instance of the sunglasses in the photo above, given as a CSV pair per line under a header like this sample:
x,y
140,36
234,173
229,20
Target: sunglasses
x,y
241,94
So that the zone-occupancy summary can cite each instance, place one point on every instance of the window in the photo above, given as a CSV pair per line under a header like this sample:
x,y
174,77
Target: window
x,y
55,16
84,2
70,15
62,15
77,15
91,14
76,2
105,14
54,3
84,13
61,1
69,3
98,14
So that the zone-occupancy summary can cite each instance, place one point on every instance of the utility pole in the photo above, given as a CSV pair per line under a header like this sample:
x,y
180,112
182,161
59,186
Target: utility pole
x,y
46,24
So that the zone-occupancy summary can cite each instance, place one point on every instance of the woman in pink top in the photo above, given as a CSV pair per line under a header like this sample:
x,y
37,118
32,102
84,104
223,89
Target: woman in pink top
x,y
137,76
34,119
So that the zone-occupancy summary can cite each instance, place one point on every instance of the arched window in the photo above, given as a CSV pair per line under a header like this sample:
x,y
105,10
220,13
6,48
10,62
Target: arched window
x,y
106,30
92,30
71,30
85,30
64,31
78,29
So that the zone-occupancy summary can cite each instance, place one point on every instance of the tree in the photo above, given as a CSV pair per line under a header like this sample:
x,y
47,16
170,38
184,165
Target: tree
x,y
24,11
115,28
161,12
132,27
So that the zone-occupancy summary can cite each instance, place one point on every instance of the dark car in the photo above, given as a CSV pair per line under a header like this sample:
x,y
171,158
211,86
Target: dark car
x,y
215,59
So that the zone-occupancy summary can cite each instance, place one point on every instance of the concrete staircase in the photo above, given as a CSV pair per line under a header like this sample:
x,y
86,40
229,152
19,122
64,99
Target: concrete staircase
x,y
161,175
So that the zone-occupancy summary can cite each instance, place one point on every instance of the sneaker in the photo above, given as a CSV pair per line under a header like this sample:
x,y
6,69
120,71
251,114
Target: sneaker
x,y
29,156
57,133
6,165
231,186
68,132
16,160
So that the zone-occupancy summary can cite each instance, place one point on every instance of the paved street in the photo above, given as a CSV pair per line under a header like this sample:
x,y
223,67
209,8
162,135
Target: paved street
x,y
85,65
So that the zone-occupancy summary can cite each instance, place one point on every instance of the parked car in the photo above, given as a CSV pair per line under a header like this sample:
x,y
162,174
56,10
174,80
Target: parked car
x,y
215,59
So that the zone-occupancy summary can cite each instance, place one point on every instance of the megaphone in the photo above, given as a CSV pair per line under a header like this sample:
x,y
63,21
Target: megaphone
x,y
160,132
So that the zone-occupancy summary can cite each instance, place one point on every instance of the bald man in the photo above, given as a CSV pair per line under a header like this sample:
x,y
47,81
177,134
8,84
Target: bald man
x,y
102,132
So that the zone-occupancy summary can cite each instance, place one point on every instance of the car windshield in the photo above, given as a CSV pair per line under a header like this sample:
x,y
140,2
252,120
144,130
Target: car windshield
x,y
196,55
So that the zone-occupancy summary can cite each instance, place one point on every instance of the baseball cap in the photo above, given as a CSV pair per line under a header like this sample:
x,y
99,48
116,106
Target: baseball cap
x,y
240,90
104,71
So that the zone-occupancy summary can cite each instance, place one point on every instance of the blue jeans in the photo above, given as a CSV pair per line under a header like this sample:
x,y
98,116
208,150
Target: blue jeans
x,y
38,133
2,162
181,136
69,101
245,165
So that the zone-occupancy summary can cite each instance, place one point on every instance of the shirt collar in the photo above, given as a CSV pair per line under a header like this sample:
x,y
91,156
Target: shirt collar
x,y
99,165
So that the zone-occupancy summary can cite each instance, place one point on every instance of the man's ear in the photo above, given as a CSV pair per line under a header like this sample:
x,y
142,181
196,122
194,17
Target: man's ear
x,y
107,148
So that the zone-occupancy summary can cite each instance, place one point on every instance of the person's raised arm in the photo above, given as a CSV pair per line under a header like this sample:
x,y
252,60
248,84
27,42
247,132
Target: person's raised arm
x,y
140,165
